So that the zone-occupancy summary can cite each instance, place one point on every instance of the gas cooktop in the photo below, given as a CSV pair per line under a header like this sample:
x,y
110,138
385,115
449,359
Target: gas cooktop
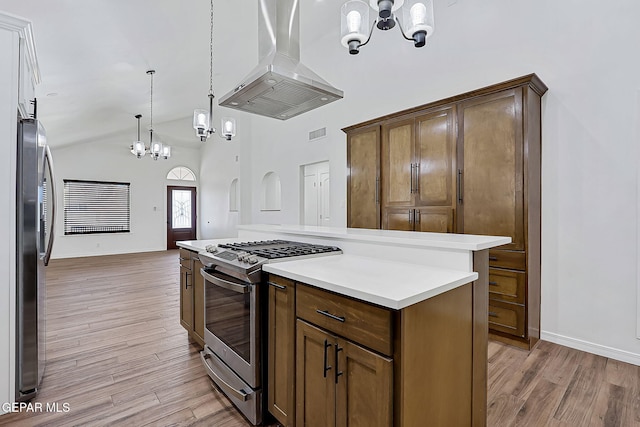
x,y
244,260
272,249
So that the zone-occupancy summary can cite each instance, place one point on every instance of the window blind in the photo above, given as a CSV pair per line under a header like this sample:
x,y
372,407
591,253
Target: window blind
x,y
96,207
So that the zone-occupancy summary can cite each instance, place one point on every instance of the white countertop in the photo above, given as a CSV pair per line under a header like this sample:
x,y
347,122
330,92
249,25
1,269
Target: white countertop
x,y
200,245
394,285
467,242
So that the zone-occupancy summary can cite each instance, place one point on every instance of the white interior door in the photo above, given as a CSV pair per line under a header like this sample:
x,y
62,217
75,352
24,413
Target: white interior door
x,y
315,200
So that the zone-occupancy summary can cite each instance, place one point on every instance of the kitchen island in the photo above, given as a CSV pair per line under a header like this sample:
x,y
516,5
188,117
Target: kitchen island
x,y
391,332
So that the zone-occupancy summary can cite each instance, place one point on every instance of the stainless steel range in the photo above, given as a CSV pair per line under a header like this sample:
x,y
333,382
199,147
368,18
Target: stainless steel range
x,y
235,315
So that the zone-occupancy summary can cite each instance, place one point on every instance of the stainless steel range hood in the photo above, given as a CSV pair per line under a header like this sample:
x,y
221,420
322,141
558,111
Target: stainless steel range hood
x,y
280,86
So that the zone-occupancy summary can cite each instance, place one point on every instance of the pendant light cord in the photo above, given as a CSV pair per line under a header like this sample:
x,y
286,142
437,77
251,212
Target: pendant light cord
x,y
151,73
211,53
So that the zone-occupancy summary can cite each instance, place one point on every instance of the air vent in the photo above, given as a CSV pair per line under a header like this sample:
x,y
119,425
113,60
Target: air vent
x,y
317,134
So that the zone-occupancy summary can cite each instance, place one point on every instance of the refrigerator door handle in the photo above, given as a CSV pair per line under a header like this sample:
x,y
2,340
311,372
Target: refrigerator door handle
x,y
49,161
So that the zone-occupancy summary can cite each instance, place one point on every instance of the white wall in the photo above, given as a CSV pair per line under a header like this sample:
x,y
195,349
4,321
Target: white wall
x,y
584,52
110,160
219,166
8,104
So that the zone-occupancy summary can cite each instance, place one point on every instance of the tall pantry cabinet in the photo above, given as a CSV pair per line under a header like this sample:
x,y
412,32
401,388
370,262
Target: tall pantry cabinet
x,y
466,164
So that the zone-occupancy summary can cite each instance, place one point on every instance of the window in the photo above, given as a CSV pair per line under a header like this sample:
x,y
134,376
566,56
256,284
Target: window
x,y
181,217
181,173
96,207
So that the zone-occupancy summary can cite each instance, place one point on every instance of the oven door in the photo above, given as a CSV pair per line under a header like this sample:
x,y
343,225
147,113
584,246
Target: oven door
x,y
232,323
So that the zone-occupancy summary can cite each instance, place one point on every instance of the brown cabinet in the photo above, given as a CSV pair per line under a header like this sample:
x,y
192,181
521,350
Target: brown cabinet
x,y
191,295
340,383
418,163
471,164
363,179
281,350
357,363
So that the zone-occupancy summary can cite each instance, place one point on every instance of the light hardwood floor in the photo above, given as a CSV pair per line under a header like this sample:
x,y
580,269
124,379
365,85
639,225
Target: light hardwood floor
x,y
118,356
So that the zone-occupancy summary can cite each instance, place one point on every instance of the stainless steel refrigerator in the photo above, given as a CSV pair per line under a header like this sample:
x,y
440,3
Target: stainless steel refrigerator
x,y
35,210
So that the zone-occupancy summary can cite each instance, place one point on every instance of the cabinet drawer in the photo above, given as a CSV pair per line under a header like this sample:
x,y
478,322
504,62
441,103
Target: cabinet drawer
x,y
185,258
358,321
506,285
506,317
508,259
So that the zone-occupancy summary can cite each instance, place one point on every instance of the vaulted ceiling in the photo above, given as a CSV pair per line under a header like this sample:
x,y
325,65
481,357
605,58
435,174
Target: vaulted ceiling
x,y
94,54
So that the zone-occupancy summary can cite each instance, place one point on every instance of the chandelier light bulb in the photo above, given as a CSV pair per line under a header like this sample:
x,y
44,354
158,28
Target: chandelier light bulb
x,y
228,128
354,20
418,14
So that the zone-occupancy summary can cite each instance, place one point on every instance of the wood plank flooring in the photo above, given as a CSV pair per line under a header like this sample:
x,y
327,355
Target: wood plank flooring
x,y
117,355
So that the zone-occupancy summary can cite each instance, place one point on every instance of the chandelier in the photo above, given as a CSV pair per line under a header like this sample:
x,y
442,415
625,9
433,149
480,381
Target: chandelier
x,y
155,149
203,119
417,17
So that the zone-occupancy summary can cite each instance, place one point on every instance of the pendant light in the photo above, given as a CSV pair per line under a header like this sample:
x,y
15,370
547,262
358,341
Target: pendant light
x,y
417,17
155,149
203,119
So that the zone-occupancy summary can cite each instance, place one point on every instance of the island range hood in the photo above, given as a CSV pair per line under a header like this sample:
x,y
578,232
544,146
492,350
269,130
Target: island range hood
x,y
280,86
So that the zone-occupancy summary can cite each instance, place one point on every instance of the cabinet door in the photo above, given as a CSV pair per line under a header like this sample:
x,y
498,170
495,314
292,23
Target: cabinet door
x,y
364,387
315,378
435,158
398,219
434,219
397,163
490,147
198,301
186,298
363,163
281,350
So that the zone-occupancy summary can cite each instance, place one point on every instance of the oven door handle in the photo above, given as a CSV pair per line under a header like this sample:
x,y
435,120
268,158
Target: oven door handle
x,y
238,394
241,289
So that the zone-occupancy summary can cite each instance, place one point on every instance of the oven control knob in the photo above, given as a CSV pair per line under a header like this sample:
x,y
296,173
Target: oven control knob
x,y
252,260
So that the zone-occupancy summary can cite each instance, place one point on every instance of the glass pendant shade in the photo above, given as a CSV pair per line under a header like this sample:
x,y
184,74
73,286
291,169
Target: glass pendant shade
x,y
228,126
166,151
201,121
155,149
354,24
138,149
418,20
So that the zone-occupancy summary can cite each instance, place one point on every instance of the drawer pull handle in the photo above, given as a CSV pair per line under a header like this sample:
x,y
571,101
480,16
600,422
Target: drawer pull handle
x,y
493,283
184,259
493,314
332,316
324,365
275,285
493,258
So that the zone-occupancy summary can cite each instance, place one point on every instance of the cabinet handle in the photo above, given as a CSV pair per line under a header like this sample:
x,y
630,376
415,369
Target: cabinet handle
x,y
275,285
338,372
410,217
332,316
460,186
493,258
186,280
417,181
377,190
493,314
416,216
411,178
324,365
183,259
493,283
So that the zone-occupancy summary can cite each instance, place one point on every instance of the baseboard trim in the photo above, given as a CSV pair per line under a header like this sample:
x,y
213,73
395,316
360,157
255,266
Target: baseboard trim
x,y
600,350
106,253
